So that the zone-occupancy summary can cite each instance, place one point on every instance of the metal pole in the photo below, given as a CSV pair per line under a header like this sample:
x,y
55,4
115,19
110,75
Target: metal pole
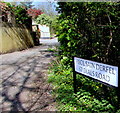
x,y
74,77
118,89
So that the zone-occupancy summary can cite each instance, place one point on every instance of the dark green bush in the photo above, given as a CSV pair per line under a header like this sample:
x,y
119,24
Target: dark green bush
x,y
21,15
91,31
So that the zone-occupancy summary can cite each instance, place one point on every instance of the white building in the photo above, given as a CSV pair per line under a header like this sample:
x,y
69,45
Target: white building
x,y
44,30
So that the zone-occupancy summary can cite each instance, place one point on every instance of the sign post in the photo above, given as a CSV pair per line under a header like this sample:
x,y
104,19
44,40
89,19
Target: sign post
x,y
103,73
118,90
74,78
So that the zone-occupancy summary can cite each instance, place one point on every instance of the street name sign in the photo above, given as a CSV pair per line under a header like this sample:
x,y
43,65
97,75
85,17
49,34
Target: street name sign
x,y
102,72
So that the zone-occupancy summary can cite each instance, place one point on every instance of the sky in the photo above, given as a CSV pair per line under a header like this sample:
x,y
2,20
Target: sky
x,y
61,0
46,5
35,2
38,3
28,0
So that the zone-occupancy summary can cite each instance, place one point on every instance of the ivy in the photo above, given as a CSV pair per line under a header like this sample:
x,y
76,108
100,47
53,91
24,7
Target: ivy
x,y
90,30
21,15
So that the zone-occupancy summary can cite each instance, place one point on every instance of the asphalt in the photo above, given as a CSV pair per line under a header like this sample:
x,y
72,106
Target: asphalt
x,y
50,42
23,79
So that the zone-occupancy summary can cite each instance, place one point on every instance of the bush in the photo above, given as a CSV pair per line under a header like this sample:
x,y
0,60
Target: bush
x,y
91,31
44,19
89,98
21,15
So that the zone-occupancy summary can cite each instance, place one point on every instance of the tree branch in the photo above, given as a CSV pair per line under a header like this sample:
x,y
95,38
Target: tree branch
x,y
111,36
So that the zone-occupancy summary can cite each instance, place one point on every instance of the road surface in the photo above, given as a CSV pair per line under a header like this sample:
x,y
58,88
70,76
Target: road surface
x,y
23,78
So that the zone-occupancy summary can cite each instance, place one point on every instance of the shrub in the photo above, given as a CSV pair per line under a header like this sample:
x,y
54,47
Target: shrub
x,y
89,98
90,30
21,15
44,19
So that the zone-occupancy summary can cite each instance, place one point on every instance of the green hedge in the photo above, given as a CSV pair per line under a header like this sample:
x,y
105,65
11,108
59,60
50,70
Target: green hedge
x,y
90,30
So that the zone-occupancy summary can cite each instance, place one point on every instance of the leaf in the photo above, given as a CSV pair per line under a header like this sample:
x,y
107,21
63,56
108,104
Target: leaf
x,y
95,56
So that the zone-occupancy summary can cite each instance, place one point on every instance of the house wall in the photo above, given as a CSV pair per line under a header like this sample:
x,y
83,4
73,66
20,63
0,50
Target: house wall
x,y
45,31
14,38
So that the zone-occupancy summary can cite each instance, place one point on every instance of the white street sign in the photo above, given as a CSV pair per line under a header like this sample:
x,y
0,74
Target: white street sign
x,y
102,72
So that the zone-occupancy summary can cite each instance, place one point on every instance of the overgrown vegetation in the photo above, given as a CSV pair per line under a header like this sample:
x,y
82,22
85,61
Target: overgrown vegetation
x,y
44,19
21,15
90,31
47,20
90,96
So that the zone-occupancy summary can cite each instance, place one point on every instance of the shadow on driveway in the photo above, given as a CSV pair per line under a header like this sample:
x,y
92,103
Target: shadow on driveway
x,y
24,86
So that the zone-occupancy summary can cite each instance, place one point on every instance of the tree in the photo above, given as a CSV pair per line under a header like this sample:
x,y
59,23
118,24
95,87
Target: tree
x,y
21,15
44,19
34,12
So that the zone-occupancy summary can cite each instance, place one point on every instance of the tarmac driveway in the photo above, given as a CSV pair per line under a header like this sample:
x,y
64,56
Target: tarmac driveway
x,y
24,84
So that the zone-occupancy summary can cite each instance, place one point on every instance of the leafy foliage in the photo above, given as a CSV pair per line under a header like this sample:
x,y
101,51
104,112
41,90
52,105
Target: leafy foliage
x,y
90,30
44,19
20,13
34,12
89,98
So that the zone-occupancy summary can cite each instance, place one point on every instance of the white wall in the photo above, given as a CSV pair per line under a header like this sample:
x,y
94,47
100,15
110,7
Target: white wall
x,y
45,31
